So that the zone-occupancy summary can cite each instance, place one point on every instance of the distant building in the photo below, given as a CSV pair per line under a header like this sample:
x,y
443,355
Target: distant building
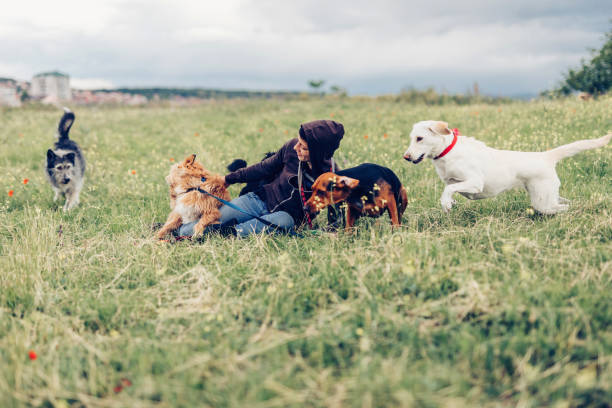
x,y
9,94
51,87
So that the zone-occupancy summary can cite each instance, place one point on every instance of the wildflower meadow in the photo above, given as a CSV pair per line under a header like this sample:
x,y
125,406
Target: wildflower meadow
x,y
489,305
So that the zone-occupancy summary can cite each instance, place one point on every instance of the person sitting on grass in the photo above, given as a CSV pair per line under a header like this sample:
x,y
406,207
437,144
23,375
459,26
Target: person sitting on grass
x,y
294,169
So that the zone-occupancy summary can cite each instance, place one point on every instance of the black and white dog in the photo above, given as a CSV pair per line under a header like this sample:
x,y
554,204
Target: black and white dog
x,y
65,164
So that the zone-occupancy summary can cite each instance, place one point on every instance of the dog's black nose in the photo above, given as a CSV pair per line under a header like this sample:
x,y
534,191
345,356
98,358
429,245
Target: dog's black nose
x,y
66,181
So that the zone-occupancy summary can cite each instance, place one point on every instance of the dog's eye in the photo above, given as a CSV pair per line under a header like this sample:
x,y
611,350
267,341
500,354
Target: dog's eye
x,y
419,138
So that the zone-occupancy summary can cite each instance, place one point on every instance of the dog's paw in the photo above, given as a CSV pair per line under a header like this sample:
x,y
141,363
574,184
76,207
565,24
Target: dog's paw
x,y
562,207
198,231
447,203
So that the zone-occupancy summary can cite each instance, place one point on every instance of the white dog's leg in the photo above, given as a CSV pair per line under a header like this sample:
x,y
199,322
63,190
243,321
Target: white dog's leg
x,y
472,186
544,194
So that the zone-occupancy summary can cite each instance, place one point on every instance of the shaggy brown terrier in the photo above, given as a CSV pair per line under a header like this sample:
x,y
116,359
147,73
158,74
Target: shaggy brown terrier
x,y
368,190
187,202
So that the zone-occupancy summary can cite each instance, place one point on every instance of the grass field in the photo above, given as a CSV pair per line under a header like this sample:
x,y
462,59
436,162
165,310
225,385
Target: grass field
x,y
487,306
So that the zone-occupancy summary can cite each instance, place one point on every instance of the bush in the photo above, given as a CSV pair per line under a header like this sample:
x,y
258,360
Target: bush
x,y
594,77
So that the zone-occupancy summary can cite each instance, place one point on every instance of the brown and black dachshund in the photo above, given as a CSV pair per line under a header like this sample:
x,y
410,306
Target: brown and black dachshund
x,y
368,190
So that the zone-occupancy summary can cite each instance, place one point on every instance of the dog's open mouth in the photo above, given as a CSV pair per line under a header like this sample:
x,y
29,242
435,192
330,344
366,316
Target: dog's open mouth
x,y
417,161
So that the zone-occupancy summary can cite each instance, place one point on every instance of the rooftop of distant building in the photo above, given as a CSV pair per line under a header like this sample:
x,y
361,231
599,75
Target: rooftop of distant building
x,y
51,73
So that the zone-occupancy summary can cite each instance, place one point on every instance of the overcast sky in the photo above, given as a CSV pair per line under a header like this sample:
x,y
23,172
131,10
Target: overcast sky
x,y
368,47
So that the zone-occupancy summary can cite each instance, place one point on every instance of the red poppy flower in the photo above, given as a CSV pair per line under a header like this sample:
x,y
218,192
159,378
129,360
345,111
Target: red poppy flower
x,y
117,389
10,193
365,136
25,181
133,171
32,355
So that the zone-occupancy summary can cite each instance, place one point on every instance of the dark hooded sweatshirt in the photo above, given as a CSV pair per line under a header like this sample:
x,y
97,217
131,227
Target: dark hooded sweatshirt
x,y
281,194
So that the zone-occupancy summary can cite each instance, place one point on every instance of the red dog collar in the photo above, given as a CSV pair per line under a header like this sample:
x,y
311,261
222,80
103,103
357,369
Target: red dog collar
x,y
450,147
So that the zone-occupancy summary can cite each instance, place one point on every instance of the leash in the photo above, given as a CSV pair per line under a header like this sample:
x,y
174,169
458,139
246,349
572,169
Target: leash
x,y
301,190
450,147
235,207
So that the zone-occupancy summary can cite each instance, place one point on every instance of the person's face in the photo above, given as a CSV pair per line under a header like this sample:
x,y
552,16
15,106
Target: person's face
x,y
301,148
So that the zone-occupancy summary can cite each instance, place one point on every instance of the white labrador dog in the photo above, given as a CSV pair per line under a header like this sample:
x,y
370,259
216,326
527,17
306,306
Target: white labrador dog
x,y
476,171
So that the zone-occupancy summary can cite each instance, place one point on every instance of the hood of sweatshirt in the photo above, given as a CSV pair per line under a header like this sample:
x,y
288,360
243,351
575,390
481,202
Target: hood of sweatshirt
x,y
323,138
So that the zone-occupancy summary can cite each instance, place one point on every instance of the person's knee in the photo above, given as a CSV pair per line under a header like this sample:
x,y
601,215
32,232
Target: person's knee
x,y
284,220
249,204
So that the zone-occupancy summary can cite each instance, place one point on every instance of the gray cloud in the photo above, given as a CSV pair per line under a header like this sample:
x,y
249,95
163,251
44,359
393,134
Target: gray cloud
x,y
517,47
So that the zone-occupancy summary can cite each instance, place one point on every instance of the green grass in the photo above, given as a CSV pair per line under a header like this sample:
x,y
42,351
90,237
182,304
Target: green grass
x,y
486,306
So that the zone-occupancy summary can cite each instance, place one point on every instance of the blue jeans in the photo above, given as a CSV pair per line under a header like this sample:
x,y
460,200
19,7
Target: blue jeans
x,y
246,224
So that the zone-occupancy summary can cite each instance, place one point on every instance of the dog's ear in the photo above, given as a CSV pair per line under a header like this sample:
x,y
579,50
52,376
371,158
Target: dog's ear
x,y
357,203
189,160
440,128
50,156
70,157
348,182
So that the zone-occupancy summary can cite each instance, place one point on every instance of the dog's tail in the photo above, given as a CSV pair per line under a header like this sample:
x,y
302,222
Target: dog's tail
x,y
571,149
239,163
65,123
236,164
